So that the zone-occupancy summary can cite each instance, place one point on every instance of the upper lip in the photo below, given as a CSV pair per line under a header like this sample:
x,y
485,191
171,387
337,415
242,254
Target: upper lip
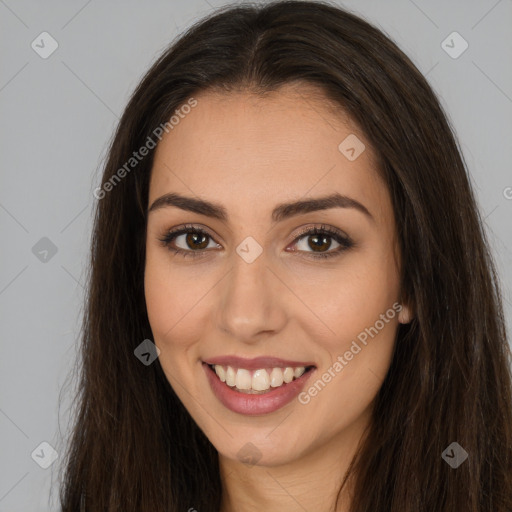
x,y
255,363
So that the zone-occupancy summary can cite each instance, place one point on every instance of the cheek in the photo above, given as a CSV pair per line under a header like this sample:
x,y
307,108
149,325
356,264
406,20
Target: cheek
x,y
344,300
166,298
358,309
177,302
161,303
353,368
167,320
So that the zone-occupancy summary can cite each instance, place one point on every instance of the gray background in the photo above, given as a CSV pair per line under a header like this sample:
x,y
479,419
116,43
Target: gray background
x,y
56,118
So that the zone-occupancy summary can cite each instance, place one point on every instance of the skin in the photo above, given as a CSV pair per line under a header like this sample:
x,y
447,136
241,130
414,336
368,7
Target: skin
x,y
249,154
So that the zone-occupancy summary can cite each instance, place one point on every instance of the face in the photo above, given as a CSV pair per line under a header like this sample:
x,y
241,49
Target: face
x,y
298,324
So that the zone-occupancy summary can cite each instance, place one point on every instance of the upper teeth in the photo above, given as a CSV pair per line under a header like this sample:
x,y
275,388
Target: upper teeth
x,y
260,380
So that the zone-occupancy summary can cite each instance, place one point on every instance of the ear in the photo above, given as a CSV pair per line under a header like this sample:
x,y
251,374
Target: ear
x,y
405,315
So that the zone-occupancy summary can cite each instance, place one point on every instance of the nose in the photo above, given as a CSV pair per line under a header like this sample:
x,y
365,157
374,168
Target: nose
x,y
253,301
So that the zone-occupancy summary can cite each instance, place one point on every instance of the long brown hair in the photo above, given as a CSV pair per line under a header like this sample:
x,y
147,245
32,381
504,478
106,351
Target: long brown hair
x,y
135,448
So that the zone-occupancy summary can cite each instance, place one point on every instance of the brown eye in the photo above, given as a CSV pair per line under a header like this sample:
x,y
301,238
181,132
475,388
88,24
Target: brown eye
x,y
190,241
196,240
317,242
320,240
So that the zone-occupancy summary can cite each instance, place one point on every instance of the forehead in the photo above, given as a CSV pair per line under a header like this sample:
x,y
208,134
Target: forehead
x,y
250,152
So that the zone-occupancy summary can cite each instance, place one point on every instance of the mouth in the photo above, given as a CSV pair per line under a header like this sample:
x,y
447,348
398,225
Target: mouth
x,y
260,381
257,390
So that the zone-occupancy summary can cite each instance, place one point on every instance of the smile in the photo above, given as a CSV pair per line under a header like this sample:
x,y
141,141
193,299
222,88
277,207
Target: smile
x,y
257,381
257,386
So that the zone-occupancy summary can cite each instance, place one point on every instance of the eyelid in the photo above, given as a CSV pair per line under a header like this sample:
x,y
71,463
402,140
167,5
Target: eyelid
x,y
324,228
311,229
302,230
185,228
172,233
343,239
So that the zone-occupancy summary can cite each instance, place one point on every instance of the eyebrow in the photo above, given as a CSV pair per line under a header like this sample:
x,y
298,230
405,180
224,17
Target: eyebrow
x,y
279,213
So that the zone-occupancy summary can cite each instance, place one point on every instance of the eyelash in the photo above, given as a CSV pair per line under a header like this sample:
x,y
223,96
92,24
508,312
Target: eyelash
x,y
344,241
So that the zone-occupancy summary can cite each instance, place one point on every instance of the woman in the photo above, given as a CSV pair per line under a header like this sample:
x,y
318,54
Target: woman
x,y
292,304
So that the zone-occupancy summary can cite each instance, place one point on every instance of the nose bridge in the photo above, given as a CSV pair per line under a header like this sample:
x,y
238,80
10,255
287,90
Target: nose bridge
x,y
250,301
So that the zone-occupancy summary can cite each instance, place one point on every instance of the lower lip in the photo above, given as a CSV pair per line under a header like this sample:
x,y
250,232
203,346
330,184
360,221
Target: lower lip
x,y
245,403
